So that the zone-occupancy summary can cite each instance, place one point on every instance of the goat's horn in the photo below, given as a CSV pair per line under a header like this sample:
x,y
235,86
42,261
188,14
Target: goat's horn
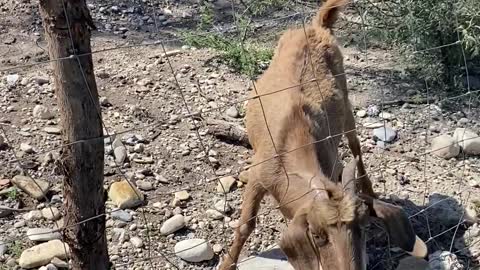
x,y
348,175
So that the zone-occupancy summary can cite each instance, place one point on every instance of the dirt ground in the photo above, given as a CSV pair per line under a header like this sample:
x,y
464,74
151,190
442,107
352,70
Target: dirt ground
x,y
145,102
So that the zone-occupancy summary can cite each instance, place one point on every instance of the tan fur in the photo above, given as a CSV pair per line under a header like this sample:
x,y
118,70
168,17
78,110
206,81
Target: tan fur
x,y
305,181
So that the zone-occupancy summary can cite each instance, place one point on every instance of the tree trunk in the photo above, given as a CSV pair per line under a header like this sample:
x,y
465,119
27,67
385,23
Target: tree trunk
x,y
82,162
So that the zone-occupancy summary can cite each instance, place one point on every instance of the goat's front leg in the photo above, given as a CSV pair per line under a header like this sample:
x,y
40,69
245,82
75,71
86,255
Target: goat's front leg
x,y
253,195
364,183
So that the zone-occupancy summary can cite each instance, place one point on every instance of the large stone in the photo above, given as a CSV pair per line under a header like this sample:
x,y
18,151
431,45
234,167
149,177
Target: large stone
x,y
194,250
36,188
43,253
125,195
468,140
42,112
444,260
121,215
172,225
144,185
444,146
271,259
225,184
180,197
51,213
120,154
222,206
42,234
385,134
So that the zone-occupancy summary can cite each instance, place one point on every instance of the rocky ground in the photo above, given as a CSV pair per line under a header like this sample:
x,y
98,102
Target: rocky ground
x,y
175,161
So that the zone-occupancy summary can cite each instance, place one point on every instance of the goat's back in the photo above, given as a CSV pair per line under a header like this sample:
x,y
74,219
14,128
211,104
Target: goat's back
x,y
297,91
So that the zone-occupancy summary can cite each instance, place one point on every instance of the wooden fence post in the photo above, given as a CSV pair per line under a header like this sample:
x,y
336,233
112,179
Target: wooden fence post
x,y
67,26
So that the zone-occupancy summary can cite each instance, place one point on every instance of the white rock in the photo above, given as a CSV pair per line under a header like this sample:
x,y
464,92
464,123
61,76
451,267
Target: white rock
x,y
444,260
468,140
120,154
385,134
214,214
362,113
372,125
172,225
144,185
225,184
445,147
222,206
171,53
104,101
217,248
59,263
53,130
42,112
272,259
33,215
37,189
43,253
12,79
121,215
27,148
194,250
51,213
232,112
386,116
136,242
179,197
42,234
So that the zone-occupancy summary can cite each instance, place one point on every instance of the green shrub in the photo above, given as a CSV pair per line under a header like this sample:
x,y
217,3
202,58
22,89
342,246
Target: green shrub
x,y
246,58
429,32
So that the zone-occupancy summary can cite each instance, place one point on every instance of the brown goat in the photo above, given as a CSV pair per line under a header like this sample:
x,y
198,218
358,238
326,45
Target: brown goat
x,y
328,208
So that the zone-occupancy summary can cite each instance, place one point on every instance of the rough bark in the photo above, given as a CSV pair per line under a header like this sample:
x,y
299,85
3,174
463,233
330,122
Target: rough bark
x,y
82,162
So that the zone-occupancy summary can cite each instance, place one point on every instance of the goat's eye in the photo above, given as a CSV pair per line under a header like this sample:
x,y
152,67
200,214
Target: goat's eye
x,y
321,239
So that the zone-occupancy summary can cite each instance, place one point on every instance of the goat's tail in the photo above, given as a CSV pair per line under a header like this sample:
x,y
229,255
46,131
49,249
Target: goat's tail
x,y
328,13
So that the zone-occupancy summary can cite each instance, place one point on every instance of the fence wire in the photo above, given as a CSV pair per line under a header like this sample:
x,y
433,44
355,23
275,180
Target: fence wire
x,y
156,256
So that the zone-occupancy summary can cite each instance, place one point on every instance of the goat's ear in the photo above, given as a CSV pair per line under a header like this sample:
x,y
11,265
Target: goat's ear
x,y
348,176
398,226
296,243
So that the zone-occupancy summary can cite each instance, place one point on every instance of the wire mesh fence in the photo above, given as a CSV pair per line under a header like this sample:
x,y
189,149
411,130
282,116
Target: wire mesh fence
x,y
177,140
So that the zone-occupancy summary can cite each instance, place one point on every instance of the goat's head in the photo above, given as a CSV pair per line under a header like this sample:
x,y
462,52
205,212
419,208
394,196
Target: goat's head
x,y
329,234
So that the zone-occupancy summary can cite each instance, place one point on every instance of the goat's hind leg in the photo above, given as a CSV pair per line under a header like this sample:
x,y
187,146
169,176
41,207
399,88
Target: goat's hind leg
x,y
364,182
252,197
